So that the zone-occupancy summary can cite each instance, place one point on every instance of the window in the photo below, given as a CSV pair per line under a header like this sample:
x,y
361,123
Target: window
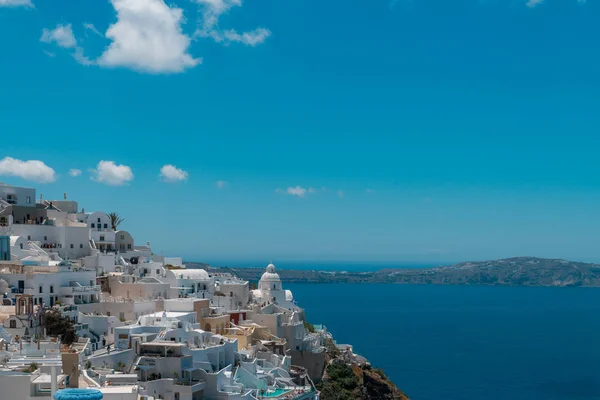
x,y
105,226
108,313
99,219
93,225
129,247
72,245
28,199
122,237
157,271
81,246
41,289
102,238
112,330
121,315
28,237
51,289
45,237
13,324
35,300
21,245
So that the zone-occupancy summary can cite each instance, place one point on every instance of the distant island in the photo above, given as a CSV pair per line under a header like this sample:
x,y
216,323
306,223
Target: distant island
x,y
517,271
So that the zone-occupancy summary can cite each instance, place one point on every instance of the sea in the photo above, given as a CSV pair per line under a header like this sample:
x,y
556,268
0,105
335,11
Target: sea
x,y
444,342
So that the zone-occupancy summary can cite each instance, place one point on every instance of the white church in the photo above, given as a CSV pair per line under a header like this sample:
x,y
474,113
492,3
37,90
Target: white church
x,y
270,290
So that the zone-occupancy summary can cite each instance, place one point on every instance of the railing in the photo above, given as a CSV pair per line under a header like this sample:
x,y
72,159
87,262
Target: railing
x,y
3,205
81,327
95,288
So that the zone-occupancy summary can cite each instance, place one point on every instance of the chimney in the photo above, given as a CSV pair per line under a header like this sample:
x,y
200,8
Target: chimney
x,y
65,195
41,197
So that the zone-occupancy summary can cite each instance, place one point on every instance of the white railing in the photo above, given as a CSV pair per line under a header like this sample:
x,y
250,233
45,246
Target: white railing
x,y
95,288
3,205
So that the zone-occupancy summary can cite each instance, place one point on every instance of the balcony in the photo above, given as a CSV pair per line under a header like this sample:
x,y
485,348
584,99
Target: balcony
x,y
93,288
189,387
22,291
79,290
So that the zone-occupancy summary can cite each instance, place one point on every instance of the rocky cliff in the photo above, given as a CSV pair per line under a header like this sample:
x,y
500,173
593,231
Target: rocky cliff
x,y
348,376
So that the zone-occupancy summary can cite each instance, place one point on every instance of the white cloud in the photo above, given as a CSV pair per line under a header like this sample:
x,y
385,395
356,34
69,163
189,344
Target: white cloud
x,y
212,10
74,172
80,58
297,191
62,35
49,54
251,38
92,28
533,3
112,174
221,184
170,173
32,170
147,37
15,3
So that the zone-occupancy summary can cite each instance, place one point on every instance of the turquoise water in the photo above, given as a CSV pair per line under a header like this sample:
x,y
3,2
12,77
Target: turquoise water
x,y
277,392
468,343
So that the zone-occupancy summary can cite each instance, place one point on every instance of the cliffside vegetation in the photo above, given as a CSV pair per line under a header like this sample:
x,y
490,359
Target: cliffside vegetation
x,y
347,377
344,381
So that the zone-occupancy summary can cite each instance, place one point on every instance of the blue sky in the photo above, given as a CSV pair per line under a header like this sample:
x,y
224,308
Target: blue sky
x,y
422,130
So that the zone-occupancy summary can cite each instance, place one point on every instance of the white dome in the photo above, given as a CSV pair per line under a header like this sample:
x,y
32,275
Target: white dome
x,y
270,275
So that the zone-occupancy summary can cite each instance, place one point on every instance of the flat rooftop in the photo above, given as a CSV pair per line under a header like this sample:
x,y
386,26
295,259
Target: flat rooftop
x,y
170,314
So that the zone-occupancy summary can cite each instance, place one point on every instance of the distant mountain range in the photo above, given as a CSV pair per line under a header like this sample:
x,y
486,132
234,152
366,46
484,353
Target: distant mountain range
x,y
518,271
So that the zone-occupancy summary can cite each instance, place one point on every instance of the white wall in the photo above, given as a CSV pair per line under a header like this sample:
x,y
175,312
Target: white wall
x,y
101,262
179,305
14,386
239,291
67,206
65,236
116,394
23,195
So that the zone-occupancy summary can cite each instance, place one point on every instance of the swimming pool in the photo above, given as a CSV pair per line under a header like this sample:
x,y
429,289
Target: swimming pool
x,y
278,392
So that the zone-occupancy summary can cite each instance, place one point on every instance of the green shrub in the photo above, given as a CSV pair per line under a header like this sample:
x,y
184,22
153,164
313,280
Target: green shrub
x,y
309,327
